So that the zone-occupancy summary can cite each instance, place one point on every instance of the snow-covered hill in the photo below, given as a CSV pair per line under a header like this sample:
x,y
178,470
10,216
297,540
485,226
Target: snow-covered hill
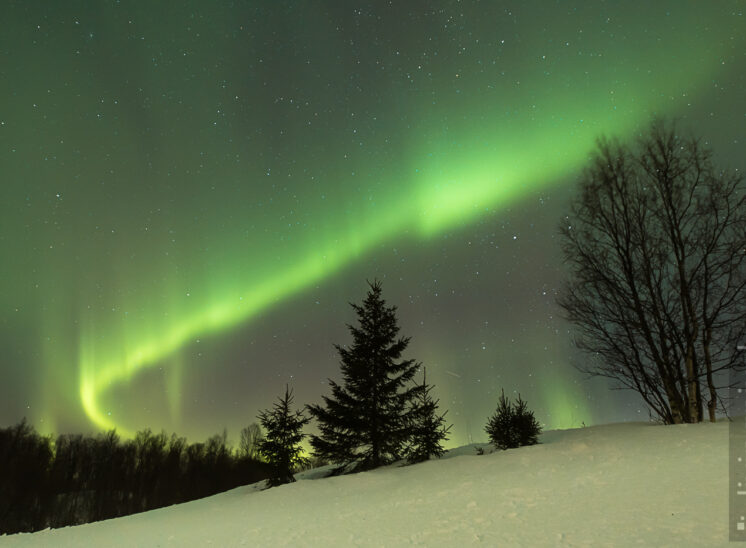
x,y
631,484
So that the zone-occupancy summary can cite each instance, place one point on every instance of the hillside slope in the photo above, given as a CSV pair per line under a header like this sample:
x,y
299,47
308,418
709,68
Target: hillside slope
x,y
612,485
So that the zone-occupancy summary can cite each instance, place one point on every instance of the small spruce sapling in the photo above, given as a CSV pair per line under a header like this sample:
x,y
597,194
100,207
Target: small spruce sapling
x,y
512,425
281,446
427,428
526,427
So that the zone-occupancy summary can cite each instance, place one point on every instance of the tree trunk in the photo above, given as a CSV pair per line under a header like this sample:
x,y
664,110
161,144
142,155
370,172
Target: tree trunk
x,y
674,401
712,402
691,383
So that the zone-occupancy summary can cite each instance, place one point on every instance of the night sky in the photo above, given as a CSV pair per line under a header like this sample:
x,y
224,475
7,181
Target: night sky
x,y
192,192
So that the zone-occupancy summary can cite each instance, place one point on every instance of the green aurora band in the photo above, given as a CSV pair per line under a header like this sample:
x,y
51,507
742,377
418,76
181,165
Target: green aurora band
x,y
476,150
498,173
452,188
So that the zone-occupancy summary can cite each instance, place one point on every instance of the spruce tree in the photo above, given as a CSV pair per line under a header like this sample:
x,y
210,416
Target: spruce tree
x,y
512,425
526,426
281,445
428,429
500,425
366,421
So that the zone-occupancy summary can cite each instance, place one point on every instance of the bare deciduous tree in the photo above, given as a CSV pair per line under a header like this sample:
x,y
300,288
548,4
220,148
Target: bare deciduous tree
x,y
251,436
656,246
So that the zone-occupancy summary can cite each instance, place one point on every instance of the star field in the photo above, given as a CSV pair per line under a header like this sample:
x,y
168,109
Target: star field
x,y
192,194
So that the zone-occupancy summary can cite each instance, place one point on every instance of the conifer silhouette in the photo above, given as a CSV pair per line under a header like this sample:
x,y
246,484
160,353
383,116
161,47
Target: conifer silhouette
x,y
512,425
428,429
281,446
366,421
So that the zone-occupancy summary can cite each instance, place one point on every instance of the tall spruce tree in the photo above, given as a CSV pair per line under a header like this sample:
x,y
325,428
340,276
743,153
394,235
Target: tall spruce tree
x,y
281,446
428,428
367,420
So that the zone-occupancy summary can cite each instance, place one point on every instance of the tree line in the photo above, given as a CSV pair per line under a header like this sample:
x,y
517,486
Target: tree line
x,y
75,479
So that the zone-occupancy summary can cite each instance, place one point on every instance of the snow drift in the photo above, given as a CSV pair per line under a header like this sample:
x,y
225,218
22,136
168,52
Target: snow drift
x,y
612,485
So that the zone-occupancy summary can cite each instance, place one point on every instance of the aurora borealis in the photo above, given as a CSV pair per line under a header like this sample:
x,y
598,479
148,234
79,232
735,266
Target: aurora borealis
x,y
193,192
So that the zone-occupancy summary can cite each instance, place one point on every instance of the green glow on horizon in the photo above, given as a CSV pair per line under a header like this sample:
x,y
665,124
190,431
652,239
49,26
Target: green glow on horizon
x,y
564,406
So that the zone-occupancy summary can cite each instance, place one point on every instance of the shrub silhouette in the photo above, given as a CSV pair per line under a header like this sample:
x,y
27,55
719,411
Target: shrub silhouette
x,y
512,425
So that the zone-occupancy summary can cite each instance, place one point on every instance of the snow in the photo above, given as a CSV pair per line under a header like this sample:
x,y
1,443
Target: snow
x,y
629,484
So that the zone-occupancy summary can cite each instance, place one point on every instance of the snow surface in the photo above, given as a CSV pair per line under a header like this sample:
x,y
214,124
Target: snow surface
x,y
630,484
